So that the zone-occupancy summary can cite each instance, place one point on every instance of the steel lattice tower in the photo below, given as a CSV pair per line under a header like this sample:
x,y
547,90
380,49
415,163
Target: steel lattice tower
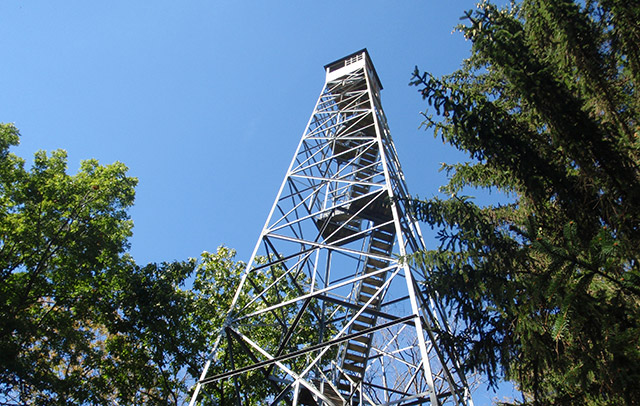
x,y
327,313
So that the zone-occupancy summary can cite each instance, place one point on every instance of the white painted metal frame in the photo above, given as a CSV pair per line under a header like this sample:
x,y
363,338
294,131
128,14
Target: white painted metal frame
x,y
326,312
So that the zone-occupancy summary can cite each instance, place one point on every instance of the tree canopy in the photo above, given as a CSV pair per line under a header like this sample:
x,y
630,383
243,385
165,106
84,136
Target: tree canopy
x,y
546,284
80,321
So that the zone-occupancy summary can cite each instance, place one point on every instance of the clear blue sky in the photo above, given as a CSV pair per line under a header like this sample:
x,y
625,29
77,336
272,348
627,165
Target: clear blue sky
x,y
205,101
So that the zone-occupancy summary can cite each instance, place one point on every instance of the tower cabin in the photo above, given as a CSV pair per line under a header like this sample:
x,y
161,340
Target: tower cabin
x,y
357,60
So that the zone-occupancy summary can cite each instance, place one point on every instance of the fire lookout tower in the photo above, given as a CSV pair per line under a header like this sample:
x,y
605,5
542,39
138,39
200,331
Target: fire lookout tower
x,y
327,313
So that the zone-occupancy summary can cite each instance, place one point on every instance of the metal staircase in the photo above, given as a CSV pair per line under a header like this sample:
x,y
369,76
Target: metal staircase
x,y
367,292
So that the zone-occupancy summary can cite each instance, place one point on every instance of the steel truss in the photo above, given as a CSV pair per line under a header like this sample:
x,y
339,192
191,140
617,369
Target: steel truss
x,y
327,313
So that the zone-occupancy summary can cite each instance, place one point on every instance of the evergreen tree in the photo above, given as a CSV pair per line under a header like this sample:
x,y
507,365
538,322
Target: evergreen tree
x,y
547,284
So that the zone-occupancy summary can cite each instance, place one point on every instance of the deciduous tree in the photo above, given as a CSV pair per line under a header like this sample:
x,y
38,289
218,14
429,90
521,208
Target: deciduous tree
x,y
80,322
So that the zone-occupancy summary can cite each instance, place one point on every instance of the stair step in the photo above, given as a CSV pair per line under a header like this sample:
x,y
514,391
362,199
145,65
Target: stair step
x,y
377,263
371,269
359,327
365,320
353,368
363,298
368,158
368,289
378,251
355,358
374,281
356,348
385,233
385,238
370,155
362,339
381,245
363,174
358,190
